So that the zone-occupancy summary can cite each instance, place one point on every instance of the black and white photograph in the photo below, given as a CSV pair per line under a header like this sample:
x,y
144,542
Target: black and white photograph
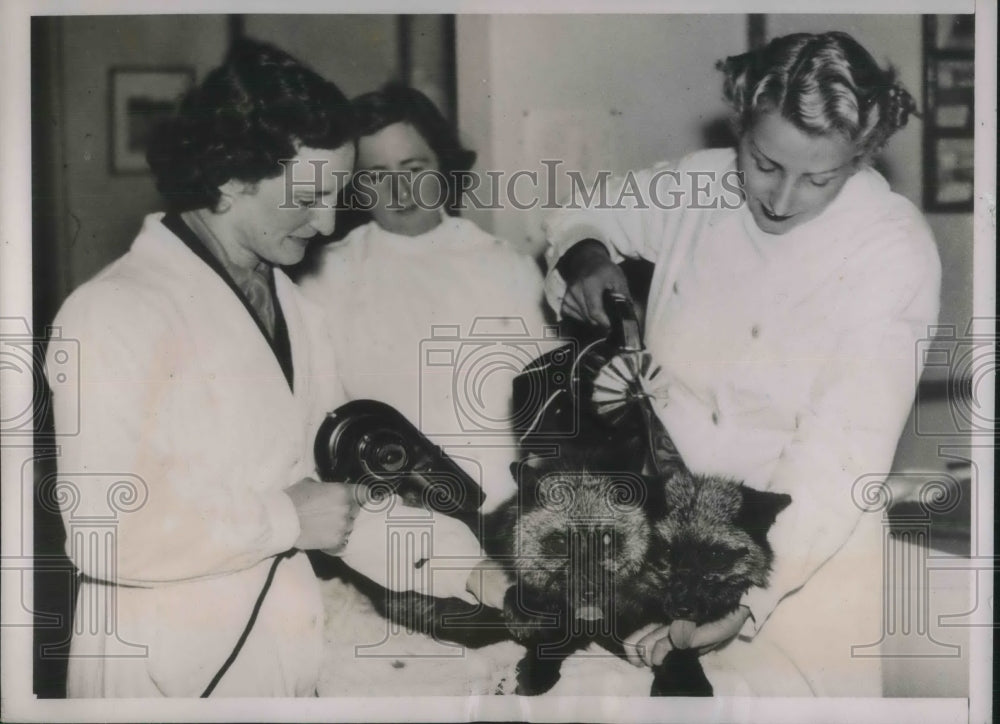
x,y
141,98
477,363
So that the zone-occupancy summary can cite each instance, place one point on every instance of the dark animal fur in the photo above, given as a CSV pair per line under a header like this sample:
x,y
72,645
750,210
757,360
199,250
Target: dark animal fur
x,y
597,555
610,535
635,551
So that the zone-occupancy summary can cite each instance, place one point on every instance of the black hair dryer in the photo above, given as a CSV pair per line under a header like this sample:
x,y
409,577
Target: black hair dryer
x,y
371,443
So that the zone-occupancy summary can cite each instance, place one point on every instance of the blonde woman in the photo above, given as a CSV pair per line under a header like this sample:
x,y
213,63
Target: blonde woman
x,y
786,327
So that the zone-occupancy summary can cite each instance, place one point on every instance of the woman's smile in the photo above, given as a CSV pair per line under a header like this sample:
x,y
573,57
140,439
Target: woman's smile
x,y
777,218
789,171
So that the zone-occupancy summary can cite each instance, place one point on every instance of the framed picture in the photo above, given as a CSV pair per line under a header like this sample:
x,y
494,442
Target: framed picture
x,y
954,32
953,165
949,96
950,80
140,99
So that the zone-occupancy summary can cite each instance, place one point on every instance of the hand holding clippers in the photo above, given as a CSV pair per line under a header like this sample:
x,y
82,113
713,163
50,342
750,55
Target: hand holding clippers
x,y
371,443
628,373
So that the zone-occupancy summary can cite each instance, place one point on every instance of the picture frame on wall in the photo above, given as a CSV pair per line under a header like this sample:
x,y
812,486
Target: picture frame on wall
x,y
953,158
954,88
949,93
140,99
954,32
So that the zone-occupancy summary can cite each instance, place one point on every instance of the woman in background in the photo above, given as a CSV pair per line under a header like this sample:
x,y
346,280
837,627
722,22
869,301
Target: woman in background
x,y
786,328
433,316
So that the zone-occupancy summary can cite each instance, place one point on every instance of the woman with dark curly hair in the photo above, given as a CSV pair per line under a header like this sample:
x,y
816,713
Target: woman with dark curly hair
x,y
786,328
204,377
387,116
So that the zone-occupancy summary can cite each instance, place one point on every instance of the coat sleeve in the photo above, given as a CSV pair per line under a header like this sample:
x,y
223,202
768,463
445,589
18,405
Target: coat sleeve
x,y
629,214
847,436
171,513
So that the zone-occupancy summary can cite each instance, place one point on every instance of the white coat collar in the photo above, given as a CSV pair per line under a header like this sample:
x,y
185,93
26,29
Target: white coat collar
x,y
167,256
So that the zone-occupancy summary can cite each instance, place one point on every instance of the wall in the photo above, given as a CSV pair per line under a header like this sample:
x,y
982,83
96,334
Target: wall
x,y
103,211
513,67
91,215
357,52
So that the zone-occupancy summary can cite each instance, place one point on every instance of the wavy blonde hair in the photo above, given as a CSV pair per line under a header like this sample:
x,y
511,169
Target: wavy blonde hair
x,y
825,84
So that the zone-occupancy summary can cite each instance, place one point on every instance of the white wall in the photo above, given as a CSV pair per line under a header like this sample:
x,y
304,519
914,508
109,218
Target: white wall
x,y
653,74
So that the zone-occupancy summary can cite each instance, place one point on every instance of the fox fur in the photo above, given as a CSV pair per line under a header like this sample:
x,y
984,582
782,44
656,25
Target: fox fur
x,y
607,536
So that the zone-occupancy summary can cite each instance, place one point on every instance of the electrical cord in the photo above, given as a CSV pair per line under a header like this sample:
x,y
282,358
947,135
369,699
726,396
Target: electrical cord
x,y
250,624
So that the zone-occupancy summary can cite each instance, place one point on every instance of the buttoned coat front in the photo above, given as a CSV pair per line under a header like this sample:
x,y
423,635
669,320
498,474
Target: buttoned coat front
x,y
789,362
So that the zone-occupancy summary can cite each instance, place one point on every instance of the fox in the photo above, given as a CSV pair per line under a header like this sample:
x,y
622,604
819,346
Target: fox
x,y
596,555
597,544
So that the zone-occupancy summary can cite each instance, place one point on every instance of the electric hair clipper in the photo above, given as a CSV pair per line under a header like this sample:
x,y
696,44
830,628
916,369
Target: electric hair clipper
x,y
625,375
371,443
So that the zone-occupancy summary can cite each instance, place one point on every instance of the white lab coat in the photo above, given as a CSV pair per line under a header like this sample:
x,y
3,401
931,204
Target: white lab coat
x,y
789,362
181,397
437,326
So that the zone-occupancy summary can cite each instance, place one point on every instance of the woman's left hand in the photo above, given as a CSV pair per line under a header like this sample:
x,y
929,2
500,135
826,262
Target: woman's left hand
x,y
649,645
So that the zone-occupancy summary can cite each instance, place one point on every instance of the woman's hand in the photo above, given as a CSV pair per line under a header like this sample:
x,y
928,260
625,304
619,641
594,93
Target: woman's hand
x,y
589,271
326,513
488,582
649,645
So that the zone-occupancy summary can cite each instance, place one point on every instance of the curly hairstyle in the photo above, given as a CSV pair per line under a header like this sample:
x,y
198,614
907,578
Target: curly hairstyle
x,y
248,115
399,103
824,84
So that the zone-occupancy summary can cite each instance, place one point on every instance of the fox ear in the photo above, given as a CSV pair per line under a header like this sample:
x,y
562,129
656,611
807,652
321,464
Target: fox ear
x,y
524,473
760,508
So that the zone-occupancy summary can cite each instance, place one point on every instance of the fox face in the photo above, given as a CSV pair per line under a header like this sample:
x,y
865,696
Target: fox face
x,y
710,547
577,539
684,546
